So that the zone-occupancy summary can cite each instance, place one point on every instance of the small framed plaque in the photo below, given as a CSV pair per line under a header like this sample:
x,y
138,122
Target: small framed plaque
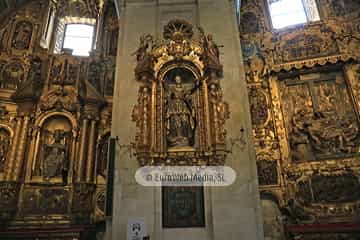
x,y
183,207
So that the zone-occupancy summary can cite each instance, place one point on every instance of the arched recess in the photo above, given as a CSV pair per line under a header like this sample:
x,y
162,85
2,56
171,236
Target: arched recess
x,y
6,135
53,148
180,82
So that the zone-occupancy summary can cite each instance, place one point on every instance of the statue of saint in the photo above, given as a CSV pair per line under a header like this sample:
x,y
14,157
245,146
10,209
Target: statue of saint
x,y
179,116
55,159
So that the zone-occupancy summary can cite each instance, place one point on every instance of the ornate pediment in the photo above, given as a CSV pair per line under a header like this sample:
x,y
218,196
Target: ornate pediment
x,y
179,44
59,98
180,113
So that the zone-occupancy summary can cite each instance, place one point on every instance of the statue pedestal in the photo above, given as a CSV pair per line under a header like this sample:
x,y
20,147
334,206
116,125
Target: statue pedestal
x,y
231,212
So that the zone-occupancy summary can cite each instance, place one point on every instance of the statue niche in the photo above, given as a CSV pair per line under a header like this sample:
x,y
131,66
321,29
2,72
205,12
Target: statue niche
x,y
4,147
180,120
54,149
22,35
55,156
180,113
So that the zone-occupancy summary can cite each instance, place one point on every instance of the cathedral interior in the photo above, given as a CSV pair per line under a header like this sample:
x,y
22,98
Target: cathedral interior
x,y
303,82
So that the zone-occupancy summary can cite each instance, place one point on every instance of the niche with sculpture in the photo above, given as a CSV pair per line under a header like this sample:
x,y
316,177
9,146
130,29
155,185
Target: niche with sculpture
x,y
179,108
54,147
12,75
22,36
4,147
180,112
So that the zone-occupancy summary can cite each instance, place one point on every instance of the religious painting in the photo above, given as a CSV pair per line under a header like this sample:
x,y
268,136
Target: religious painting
x,y
183,207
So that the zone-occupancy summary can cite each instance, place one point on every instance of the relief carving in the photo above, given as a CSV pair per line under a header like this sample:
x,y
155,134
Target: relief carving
x,y
258,107
80,8
59,98
307,46
267,172
82,204
319,125
8,199
45,201
330,189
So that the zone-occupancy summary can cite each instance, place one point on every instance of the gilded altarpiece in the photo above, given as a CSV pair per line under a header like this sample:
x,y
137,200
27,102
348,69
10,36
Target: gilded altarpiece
x,y
180,113
303,94
55,118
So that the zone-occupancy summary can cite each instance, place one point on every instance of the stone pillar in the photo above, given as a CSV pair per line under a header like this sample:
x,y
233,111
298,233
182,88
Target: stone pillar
x,y
236,209
83,144
231,213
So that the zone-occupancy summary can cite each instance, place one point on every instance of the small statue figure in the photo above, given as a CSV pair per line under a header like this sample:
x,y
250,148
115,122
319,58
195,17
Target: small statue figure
x,y
55,159
94,74
213,47
211,50
141,52
179,116
35,70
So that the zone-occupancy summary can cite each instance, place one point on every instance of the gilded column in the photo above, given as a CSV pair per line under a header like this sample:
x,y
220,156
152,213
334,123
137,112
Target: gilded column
x,y
81,159
90,155
9,168
21,150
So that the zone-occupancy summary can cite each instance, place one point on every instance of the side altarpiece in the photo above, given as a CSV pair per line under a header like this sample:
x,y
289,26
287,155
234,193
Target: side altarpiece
x,y
180,113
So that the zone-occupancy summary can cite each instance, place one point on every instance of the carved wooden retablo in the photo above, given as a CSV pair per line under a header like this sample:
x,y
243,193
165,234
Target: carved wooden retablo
x,y
180,113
